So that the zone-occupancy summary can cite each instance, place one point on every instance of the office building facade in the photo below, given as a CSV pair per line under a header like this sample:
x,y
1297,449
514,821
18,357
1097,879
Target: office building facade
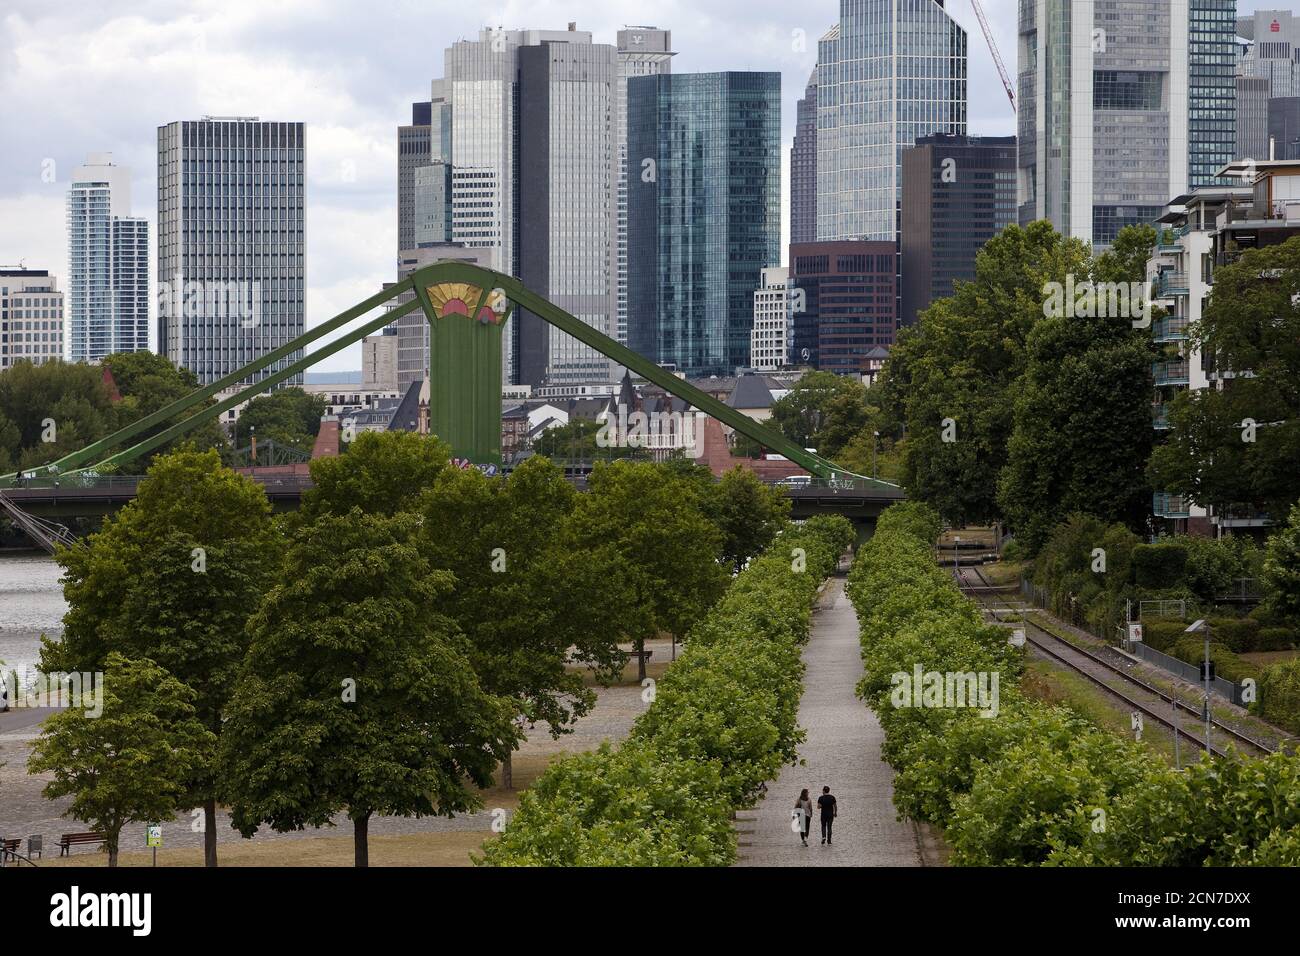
x,y
958,193
568,206
31,317
706,220
230,243
888,73
1122,104
803,166
843,303
768,342
642,51
108,264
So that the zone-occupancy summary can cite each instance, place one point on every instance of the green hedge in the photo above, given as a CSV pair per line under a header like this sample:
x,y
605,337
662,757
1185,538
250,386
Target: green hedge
x,y
1241,635
1279,695
723,722
1038,784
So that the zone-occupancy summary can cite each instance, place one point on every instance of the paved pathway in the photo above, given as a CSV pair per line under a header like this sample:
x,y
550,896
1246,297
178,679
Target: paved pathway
x,y
843,752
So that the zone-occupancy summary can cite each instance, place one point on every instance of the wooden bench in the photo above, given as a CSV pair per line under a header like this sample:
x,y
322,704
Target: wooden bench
x,y
9,848
69,840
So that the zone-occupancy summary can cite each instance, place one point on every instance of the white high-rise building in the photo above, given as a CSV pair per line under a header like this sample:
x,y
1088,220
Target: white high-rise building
x,y
108,263
31,317
769,342
231,279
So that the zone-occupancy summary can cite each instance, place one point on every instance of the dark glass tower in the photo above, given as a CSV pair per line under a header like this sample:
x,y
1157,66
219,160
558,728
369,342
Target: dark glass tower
x,y
803,167
958,192
1212,88
704,213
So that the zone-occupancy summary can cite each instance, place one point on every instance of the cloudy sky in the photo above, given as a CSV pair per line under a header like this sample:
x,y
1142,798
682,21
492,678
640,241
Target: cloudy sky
x,y
79,76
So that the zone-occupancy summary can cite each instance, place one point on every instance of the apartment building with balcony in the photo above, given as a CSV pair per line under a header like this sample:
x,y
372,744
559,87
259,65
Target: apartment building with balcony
x,y
1258,205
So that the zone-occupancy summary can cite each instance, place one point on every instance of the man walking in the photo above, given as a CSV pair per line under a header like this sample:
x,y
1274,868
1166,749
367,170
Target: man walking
x,y
826,803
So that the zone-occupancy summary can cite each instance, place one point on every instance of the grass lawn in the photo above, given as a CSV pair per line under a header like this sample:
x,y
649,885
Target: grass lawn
x,y
416,849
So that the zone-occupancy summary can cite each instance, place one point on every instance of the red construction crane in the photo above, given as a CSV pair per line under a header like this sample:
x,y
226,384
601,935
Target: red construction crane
x,y
997,57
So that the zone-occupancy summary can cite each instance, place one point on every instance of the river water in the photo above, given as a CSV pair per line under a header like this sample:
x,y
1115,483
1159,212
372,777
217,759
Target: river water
x,y
31,604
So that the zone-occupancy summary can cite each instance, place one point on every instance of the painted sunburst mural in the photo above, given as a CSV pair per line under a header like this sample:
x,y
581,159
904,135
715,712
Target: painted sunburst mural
x,y
459,298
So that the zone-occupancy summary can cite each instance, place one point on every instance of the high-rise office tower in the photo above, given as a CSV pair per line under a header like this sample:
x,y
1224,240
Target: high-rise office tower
x,y
889,72
230,243
704,214
31,317
414,151
108,263
803,166
1251,141
1268,85
958,193
568,206
642,51
843,303
1122,105
484,88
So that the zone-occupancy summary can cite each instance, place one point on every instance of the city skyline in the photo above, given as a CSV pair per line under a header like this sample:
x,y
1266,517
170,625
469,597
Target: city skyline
x,y
350,84
349,103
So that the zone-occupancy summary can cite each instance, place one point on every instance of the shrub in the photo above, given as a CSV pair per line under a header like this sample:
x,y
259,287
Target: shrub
x,y
1161,565
1279,695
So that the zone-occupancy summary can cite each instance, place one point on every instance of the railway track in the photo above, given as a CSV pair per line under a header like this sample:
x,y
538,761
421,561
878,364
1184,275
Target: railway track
x,y
1139,694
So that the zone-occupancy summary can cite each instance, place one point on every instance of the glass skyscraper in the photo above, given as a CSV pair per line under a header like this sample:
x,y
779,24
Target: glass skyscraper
x,y
704,213
230,243
108,264
889,72
1124,104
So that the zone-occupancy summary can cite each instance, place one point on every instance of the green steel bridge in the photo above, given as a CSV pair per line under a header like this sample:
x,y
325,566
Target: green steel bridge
x,y
466,307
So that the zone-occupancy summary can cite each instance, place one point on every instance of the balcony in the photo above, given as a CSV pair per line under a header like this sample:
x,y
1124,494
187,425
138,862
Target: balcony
x,y
1170,329
1165,505
1170,373
1172,283
1160,417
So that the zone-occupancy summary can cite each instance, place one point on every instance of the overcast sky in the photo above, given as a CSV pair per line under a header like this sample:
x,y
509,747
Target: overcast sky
x,y
80,76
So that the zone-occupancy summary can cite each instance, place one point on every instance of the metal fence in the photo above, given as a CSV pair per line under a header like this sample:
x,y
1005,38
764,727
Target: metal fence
x,y
1188,672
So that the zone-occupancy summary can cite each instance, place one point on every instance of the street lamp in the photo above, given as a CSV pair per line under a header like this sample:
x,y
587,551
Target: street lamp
x,y
252,435
956,550
1202,626
874,444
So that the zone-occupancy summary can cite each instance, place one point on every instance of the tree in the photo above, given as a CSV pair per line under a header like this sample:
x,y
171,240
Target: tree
x,y
148,382
1239,444
355,695
1082,430
1282,567
749,513
174,577
822,411
578,441
382,473
950,381
522,600
131,762
650,533
288,416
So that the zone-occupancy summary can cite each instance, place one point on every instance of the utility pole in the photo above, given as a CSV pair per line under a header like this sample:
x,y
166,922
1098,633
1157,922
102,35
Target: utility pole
x,y
1202,626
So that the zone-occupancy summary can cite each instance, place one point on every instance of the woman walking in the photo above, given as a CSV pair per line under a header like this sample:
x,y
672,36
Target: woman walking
x,y
803,806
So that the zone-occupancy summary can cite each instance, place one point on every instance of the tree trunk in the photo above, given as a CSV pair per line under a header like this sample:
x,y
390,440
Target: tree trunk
x,y
361,840
507,773
210,832
640,659
110,844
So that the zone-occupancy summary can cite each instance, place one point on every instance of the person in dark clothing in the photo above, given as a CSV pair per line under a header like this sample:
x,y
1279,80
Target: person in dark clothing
x,y
826,803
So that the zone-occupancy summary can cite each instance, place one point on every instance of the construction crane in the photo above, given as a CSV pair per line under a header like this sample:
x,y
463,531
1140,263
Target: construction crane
x,y
997,57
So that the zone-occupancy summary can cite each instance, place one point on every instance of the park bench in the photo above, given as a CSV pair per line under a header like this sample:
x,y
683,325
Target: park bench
x,y
69,840
634,654
9,848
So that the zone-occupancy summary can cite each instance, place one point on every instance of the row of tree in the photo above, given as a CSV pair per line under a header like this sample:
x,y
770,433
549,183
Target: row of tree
x,y
49,410
380,650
